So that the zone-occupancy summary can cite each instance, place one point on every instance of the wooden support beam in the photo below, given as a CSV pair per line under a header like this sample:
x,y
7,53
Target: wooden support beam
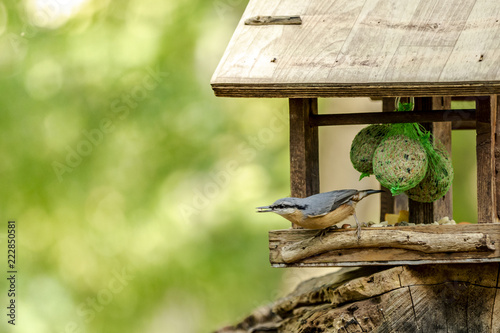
x,y
459,117
441,131
464,125
304,153
497,157
486,125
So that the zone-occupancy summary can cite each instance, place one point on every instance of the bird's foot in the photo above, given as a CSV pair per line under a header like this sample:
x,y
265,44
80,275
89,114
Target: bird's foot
x,y
358,232
323,232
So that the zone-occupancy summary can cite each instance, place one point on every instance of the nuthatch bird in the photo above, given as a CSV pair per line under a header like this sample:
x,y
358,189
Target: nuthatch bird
x,y
321,210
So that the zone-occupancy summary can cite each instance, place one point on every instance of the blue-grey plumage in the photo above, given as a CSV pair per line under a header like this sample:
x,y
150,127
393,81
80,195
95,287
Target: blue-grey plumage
x,y
321,210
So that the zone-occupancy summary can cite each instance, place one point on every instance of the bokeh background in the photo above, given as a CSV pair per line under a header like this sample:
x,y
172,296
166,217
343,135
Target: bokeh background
x,y
133,187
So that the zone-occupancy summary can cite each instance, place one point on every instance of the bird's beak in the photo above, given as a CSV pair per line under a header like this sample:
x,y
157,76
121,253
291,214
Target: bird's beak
x,y
264,209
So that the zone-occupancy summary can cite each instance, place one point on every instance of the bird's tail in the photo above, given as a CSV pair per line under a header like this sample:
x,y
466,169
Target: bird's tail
x,y
365,193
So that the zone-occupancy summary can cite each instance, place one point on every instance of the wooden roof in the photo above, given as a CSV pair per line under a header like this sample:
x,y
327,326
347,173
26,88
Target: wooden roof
x,y
364,48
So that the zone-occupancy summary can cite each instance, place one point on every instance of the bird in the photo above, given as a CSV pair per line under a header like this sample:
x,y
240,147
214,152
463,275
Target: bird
x,y
320,211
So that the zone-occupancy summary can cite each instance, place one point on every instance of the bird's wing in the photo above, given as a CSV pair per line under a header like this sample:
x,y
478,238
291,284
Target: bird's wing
x,y
323,203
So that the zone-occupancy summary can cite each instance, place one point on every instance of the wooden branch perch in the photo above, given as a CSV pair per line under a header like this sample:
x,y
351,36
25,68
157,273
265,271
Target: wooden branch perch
x,y
380,238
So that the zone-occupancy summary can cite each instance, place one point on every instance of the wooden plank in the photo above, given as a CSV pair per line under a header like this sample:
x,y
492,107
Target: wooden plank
x,y
326,90
362,59
416,60
478,48
383,256
438,23
319,16
375,48
304,153
393,117
485,145
397,239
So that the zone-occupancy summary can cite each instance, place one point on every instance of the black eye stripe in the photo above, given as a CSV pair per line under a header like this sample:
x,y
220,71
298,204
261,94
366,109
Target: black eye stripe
x,y
282,206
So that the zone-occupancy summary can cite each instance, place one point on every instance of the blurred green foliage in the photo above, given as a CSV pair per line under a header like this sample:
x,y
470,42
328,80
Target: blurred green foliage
x,y
133,186
465,168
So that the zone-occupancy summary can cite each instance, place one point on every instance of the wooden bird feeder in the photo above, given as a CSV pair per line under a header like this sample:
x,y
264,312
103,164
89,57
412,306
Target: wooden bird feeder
x,y
434,51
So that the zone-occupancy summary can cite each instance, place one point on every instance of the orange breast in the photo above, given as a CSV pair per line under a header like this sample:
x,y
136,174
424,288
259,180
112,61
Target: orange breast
x,y
321,222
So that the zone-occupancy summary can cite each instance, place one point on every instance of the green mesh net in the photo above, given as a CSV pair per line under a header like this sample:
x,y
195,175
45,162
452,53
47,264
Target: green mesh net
x,y
364,145
400,163
437,180
404,158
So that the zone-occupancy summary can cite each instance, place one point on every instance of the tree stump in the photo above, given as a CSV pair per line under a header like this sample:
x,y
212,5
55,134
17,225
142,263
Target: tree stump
x,y
427,298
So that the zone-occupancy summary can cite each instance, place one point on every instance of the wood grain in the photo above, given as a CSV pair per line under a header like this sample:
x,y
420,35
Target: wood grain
x,y
444,115
304,152
427,298
497,156
378,48
376,238
478,42
308,90
383,256
441,132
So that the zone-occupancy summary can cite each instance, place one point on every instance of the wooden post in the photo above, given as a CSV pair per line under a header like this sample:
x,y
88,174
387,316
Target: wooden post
x,y
304,154
497,158
442,132
486,111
